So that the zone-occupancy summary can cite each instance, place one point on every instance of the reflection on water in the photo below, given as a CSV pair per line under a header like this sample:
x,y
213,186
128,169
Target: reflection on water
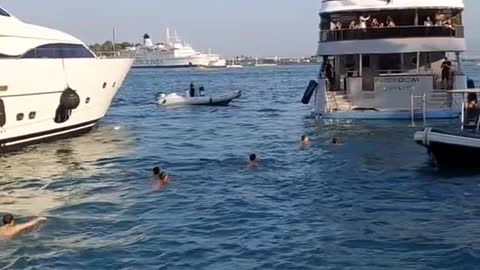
x,y
49,166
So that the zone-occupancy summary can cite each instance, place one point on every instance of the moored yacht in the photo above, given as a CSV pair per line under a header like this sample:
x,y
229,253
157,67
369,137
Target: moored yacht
x,y
393,59
51,84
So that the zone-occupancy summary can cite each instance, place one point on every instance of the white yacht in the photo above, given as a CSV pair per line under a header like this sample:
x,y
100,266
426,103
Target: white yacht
x,y
51,84
172,53
385,59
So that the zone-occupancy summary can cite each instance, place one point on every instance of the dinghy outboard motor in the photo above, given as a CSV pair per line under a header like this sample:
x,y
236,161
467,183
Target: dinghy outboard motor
x,y
312,85
3,117
69,100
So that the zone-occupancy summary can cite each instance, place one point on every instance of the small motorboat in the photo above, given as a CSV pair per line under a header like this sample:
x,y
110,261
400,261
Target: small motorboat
x,y
456,149
175,99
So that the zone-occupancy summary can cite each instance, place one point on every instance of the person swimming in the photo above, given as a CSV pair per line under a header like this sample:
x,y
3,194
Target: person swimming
x,y
305,140
163,177
10,229
253,162
336,141
156,171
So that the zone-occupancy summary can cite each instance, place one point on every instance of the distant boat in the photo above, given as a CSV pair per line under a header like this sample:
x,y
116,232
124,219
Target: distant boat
x,y
172,53
264,64
234,65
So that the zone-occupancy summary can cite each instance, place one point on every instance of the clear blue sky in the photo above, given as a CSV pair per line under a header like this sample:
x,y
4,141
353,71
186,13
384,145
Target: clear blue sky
x,y
229,27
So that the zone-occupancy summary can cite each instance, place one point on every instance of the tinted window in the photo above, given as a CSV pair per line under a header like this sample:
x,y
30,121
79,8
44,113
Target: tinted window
x,y
4,13
59,51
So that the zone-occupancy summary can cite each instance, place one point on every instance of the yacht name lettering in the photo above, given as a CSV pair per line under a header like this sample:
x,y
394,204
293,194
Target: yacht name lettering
x,y
398,80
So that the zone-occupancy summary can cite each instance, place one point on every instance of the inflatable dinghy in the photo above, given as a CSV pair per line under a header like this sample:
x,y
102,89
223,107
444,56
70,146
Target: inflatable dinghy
x,y
175,99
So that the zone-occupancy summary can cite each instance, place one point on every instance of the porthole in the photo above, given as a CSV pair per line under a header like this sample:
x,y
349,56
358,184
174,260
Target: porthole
x,y
32,115
114,84
20,117
104,85
87,100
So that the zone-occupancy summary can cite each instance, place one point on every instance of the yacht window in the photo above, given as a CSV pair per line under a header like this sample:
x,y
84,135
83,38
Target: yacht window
x,y
59,50
4,13
20,117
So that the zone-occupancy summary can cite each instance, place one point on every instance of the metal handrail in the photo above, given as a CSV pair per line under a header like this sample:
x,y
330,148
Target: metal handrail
x,y
390,32
424,108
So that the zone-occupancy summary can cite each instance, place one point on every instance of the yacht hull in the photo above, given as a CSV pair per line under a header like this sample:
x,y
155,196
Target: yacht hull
x,y
450,149
31,94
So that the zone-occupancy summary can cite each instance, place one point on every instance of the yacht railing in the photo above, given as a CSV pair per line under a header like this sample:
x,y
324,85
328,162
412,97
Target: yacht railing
x,y
391,32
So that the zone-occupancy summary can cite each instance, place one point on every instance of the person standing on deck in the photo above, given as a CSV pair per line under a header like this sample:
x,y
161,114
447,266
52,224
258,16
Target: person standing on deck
x,y
446,73
329,74
363,22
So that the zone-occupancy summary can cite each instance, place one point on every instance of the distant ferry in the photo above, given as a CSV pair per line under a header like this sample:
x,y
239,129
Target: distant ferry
x,y
172,53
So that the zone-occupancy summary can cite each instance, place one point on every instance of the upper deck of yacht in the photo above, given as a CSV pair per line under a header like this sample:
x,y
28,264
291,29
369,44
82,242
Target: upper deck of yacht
x,y
389,26
333,6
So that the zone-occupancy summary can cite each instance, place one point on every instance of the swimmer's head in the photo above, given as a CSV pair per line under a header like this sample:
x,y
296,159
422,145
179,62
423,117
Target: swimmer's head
x,y
305,139
335,141
163,176
8,219
156,171
253,157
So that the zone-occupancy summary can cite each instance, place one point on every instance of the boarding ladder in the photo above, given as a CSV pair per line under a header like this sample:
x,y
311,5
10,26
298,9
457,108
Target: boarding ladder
x,y
414,98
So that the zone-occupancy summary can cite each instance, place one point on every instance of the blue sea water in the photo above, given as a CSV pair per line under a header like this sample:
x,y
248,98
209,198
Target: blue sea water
x,y
374,202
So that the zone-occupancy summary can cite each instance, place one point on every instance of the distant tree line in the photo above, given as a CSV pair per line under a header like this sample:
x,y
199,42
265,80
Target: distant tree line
x,y
107,47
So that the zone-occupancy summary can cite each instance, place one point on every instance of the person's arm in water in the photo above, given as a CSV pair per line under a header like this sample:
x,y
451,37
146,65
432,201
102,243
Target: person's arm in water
x,y
27,227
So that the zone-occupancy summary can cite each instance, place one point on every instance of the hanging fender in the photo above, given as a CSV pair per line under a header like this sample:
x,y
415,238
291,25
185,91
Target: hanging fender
x,y
69,99
312,85
3,116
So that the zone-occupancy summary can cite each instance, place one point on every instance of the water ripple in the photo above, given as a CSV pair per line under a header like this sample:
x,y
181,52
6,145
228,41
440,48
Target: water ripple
x,y
372,203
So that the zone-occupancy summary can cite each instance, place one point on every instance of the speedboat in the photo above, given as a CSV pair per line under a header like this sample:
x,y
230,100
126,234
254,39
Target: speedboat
x,y
176,99
455,149
51,84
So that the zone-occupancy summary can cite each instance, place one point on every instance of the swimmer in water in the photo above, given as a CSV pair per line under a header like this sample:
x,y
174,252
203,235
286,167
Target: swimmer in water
x,y
10,229
163,178
305,140
253,163
156,171
336,141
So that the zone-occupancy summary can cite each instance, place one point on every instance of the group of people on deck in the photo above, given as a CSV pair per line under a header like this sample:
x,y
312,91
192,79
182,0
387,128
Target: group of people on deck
x,y
365,22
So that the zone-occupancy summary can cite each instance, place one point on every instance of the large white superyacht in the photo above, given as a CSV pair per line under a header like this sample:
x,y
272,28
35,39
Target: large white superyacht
x,y
172,53
389,59
51,84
